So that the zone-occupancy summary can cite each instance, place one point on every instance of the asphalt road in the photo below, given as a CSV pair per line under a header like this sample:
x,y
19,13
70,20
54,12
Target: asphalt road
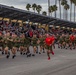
x,y
62,63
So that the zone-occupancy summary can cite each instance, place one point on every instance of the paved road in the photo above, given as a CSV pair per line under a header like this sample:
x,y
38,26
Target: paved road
x,y
62,63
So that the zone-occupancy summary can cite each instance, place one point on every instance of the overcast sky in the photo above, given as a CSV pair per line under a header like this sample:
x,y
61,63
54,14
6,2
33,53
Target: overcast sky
x,y
22,4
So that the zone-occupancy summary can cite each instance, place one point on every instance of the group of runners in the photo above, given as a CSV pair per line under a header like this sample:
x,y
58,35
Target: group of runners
x,y
10,44
66,41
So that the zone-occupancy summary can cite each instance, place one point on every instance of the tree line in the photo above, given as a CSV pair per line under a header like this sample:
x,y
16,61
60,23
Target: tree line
x,y
53,8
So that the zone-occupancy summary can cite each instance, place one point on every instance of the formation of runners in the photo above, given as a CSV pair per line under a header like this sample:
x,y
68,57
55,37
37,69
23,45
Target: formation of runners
x,y
67,41
13,43
10,44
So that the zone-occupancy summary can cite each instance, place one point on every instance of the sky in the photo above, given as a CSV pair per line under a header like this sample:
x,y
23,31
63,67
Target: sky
x,y
21,4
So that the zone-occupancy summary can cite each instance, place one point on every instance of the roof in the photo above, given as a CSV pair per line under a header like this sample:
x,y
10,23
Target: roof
x,y
19,14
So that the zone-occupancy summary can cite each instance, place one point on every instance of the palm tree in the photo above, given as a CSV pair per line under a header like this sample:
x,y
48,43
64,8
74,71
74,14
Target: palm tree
x,y
74,1
74,11
34,6
54,9
60,8
55,4
71,2
44,13
12,6
48,7
63,2
66,7
51,10
28,6
38,8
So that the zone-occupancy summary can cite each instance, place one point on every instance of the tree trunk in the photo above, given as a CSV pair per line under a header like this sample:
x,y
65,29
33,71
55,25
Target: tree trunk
x,y
48,7
74,12
66,15
55,4
60,8
63,13
70,11
51,14
34,11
